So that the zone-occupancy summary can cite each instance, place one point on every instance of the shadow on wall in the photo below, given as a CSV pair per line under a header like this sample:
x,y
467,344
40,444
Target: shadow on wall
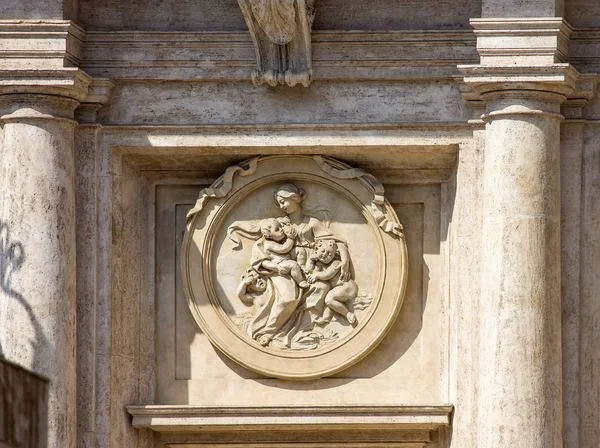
x,y
12,256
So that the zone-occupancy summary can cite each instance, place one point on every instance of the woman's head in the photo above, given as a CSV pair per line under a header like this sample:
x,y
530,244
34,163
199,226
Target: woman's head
x,y
289,198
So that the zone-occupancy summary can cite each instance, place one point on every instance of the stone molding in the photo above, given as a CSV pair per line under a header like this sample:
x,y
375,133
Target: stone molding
x,y
67,82
522,41
409,426
558,78
573,107
584,49
524,55
98,95
40,44
41,57
337,55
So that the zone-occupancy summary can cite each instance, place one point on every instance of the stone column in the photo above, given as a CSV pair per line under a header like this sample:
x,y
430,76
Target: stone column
x,y
520,385
37,267
521,303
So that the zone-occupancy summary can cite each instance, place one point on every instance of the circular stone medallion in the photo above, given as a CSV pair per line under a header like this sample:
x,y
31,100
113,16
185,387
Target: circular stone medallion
x,y
294,266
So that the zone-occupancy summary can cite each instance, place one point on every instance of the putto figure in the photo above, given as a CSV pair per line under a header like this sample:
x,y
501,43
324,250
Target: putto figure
x,y
277,245
324,266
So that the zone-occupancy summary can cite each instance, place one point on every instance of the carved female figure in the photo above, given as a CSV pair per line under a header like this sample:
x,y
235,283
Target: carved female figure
x,y
290,313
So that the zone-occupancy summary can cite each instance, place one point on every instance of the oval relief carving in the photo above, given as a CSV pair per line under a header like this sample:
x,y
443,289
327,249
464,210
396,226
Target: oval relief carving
x,y
294,266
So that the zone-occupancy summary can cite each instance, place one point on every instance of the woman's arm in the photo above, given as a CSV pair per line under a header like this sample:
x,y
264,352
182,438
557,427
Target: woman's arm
x,y
345,265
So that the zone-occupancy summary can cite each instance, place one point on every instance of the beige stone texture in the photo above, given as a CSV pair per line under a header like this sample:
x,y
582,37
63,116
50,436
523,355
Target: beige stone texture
x,y
496,342
37,214
521,280
307,315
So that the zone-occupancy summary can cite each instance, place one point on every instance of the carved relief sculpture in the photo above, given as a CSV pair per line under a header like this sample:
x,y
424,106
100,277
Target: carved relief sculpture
x,y
297,265
281,32
298,249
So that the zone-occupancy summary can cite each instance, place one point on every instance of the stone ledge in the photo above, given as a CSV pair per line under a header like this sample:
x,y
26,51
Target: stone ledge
x,y
68,82
40,44
229,56
559,78
314,426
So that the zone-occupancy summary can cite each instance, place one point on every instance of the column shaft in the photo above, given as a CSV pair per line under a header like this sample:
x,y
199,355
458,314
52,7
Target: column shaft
x,y
37,215
520,388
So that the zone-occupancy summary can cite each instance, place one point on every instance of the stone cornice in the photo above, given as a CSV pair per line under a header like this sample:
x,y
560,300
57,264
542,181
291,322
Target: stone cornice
x,y
344,55
584,50
339,426
556,78
99,91
524,56
98,95
585,90
40,44
67,82
522,41
41,57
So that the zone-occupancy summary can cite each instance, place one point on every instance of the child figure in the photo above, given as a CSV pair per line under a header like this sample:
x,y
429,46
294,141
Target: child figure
x,y
251,285
277,246
324,266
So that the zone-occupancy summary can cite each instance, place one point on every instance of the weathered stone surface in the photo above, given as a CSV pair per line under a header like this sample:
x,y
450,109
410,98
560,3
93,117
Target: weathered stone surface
x,y
313,275
476,199
37,214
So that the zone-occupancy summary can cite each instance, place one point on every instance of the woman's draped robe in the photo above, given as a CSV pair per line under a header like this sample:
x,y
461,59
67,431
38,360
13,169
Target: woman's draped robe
x,y
287,315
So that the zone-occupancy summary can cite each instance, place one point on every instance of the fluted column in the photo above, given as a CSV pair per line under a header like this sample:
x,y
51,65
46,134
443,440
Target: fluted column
x,y
523,86
37,215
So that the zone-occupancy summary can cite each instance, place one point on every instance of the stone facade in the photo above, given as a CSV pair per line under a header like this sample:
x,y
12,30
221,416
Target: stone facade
x,y
479,118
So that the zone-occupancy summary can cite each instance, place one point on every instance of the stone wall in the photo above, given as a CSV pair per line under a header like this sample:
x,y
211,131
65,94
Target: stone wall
x,y
484,132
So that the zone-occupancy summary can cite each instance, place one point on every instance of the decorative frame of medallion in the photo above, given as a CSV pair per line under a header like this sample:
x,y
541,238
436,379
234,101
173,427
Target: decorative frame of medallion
x,y
231,189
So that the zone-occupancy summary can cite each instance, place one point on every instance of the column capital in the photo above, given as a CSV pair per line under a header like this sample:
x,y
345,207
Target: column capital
x,y
573,107
487,80
42,94
522,58
40,57
69,82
